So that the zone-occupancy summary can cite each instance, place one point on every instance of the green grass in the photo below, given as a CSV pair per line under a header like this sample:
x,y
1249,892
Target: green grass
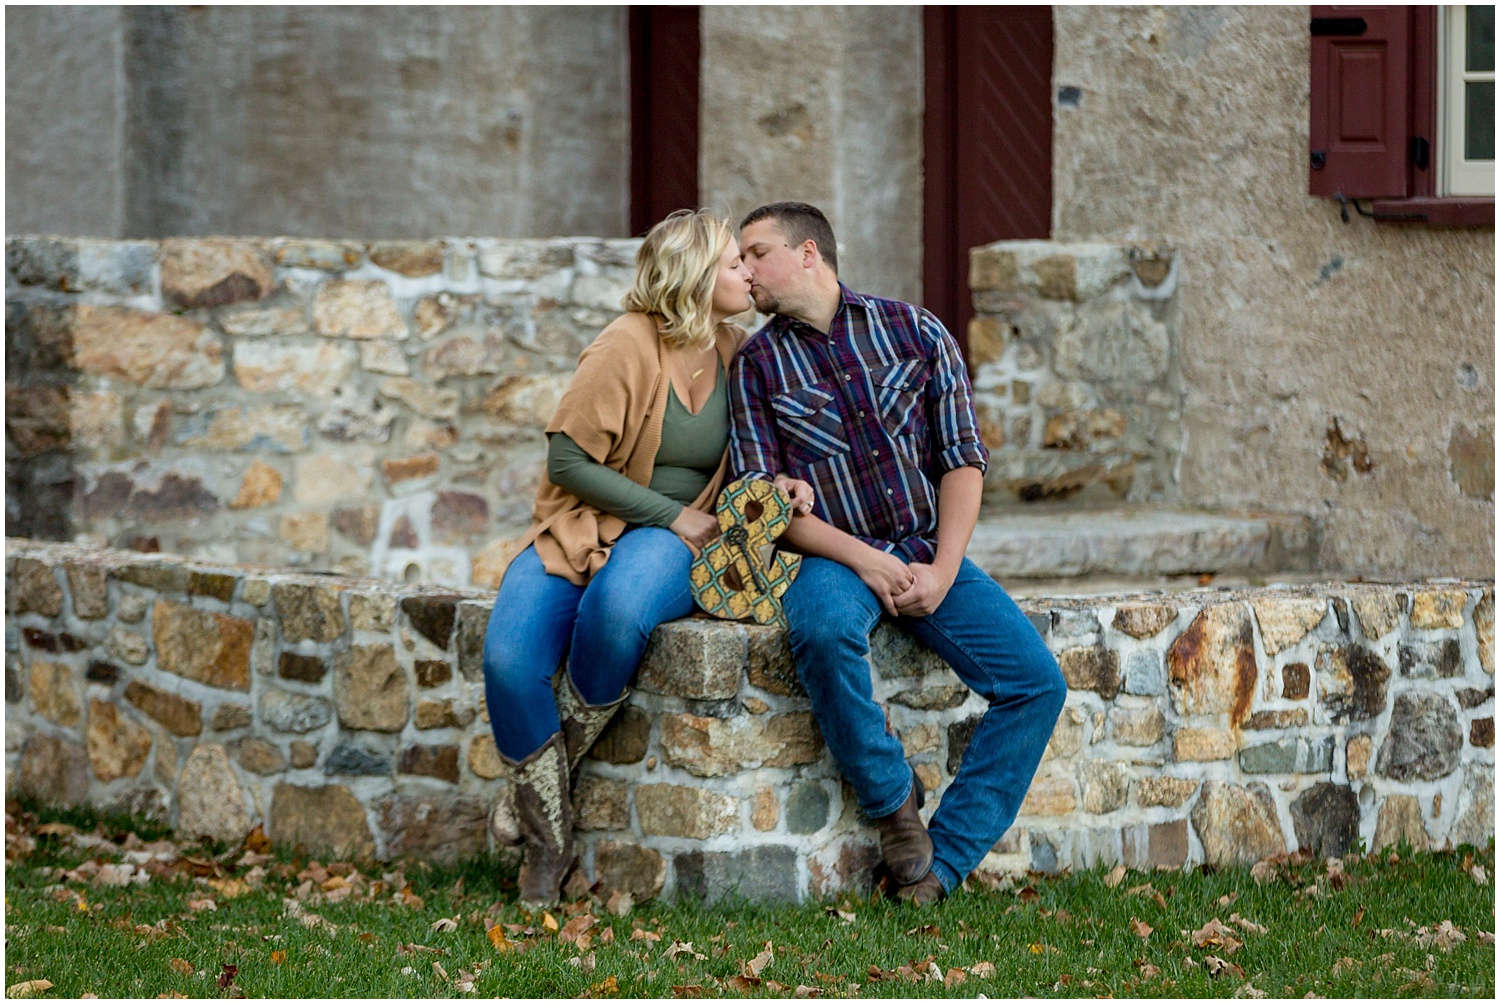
x,y
1062,936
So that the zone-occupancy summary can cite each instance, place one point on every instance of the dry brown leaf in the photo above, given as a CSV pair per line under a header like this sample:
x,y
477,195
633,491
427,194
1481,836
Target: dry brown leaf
x,y
640,934
608,987
689,990
182,966
28,988
1443,936
1215,935
1215,964
445,924
953,977
1479,875
983,970
1342,965
278,957
1140,928
497,938
575,928
620,903
756,965
677,948
1263,871
171,995
742,984
227,975
1149,972
549,922
806,991
1115,877
1485,937
1248,925
198,905
1249,990
229,888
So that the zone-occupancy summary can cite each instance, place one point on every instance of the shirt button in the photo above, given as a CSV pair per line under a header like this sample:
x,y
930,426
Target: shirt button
x,y
861,414
848,377
875,452
889,491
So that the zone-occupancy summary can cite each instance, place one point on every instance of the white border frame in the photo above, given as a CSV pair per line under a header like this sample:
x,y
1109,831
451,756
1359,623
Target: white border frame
x,y
1459,176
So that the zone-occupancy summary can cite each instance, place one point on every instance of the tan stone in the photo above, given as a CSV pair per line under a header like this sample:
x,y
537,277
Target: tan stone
x,y
1236,825
988,337
208,647
96,420
1105,785
484,758
488,565
322,819
383,357
304,531
90,588
425,435
255,592
411,258
181,716
259,756
1049,796
993,269
928,776
601,804
434,313
214,272
1211,665
1056,276
1357,756
164,769
674,810
32,587
54,693
261,486
623,867
1400,819
323,479
399,469
369,689
1168,791
117,746
1379,614
308,613
1142,620
1083,428
1438,608
231,716
372,612
714,747
210,802
151,350
765,811
54,770
257,321
923,738
312,371
37,419
127,645
1138,726
1067,734
280,428
328,256
1284,622
435,714
1189,744
304,754
1278,718
526,400
357,308
1484,630
422,397
1091,667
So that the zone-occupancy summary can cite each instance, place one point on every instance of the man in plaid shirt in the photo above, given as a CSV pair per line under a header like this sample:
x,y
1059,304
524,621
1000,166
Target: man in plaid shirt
x,y
868,401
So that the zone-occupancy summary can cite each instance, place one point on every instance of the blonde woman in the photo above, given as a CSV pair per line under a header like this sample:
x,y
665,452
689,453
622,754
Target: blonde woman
x,y
636,455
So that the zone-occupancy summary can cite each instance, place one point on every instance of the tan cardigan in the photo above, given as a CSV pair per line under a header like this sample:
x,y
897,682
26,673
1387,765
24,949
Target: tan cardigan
x,y
613,409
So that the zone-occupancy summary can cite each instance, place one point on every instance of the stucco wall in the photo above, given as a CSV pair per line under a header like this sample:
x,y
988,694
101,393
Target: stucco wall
x,y
369,121
823,105
1192,129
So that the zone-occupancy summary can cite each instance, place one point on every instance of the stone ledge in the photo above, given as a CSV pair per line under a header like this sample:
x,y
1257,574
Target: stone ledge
x,y
1206,725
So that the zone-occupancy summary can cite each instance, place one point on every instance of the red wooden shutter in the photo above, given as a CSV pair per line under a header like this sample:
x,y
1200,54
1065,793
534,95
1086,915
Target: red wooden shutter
x,y
1360,104
664,73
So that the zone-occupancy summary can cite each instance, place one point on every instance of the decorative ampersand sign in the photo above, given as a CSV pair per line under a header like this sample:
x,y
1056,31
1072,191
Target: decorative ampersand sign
x,y
740,575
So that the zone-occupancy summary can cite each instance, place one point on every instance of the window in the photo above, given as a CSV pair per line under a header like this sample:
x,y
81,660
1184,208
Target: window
x,y
1466,46
1401,112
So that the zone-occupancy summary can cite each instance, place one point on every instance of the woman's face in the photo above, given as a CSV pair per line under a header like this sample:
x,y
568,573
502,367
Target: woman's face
x,y
731,282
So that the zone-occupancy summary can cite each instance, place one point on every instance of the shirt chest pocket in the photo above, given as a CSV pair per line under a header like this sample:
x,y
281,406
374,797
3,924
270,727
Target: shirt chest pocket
x,y
898,393
809,424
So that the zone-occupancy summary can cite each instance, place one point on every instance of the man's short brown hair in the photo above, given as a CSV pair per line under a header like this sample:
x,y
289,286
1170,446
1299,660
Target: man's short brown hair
x,y
799,222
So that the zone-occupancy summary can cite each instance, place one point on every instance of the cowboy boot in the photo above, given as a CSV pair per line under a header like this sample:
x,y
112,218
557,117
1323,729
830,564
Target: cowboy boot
x,y
904,843
582,723
544,816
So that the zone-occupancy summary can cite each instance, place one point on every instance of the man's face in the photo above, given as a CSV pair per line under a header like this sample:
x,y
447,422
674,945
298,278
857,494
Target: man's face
x,y
776,272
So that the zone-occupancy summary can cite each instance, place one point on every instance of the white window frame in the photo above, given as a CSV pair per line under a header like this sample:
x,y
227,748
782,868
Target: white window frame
x,y
1458,175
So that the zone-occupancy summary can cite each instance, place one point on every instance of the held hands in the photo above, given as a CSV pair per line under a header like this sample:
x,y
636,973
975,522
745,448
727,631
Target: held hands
x,y
887,576
800,491
696,527
928,590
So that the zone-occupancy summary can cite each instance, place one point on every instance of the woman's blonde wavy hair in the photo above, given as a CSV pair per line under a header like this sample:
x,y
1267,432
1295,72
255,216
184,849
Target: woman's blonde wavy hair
x,y
675,271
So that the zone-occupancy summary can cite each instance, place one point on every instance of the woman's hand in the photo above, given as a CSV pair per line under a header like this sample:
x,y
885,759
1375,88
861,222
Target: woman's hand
x,y
800,491
695,526
886,575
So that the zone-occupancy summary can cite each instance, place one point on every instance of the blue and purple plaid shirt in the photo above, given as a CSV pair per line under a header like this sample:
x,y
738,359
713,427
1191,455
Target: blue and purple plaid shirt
x,y
872,415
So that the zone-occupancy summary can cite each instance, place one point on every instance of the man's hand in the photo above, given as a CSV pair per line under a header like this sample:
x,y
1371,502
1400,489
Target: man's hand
x,y
800,491
886,575
927,592
696,527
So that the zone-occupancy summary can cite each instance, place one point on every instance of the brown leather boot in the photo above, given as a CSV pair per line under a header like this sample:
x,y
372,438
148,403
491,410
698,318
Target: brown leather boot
x,y
904,843
924,892
544,815
582,723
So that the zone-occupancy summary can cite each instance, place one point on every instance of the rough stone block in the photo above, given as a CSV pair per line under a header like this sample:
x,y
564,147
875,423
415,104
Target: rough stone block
x,y
807,808
714,747
357,308
38,419
410,258
440,762
1168,844
435,714
1482,733
54,693
326,256
54,770
1296,681
369,689
1484,630
1143,620
1286,621
117,746
961,732
760,874
311,372
1161,790
1474,820
207,647
459,516
1049,796
1325,819
1352,683
674,810
259,757
895,654
325,819
851,869
601,804
1211,665
160,351
214,272
1357,757
1105,785
484,758
923,738
765,811
1145,675
700,660
127,646
445,829
1379,614
1277,718
305,668
1196,744
1438,608
1137,726
181,716
228,717
359,758
304,755
1236,825
1424,741
90,588
432,616
288,712
1431,660
1400,819
308,613
209,800
32,587
1094,668
771,665
1289,755
625,867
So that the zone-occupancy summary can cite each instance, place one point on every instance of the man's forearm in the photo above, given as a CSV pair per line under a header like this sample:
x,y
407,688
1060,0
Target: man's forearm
x,y
959,493
811,535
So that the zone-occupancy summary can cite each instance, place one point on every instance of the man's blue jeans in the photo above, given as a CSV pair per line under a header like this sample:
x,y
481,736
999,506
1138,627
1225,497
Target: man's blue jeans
x,y
604,628
980,632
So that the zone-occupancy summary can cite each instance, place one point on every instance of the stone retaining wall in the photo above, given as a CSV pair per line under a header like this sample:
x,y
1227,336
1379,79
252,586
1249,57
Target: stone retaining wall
x,y
1212,725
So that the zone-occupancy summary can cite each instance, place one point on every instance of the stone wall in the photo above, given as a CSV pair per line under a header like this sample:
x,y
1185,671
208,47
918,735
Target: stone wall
x,y
330,405
1076,375
1208,726
1345,372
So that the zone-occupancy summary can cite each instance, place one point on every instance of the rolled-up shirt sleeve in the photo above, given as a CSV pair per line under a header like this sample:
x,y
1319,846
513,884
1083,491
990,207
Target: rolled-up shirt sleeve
x,y
950,403
754,451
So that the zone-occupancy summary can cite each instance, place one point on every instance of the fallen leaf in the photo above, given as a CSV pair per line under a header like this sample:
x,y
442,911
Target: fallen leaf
x,y
620,903
229,888
445,924
1115,877
1215,964
1485,937
1028,894
953,977
256,840
845,915
1249,990
1036,948
278,957
227,975
609,987
549,922
677,948
1215,935
198,905
690,990
640,934
806,991
411,899
1479,875
1149,972
1444,936
930,930
1359,915
575,928
437,967
1248,925
1263,871
983,970
760,962
1140,928
182,966
28,988
497,938
171,995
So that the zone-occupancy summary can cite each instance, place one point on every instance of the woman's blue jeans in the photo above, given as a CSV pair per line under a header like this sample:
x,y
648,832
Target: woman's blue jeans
x,y
980,632
602,627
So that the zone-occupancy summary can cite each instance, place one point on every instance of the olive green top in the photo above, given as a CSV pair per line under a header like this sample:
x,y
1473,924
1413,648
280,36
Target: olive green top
x,y
690,451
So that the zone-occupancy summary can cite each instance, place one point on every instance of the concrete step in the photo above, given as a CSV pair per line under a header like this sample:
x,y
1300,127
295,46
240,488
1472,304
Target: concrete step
x,y
1135,543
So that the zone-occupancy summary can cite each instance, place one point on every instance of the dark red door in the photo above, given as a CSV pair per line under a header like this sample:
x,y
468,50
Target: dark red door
x,y
664,47
988,142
